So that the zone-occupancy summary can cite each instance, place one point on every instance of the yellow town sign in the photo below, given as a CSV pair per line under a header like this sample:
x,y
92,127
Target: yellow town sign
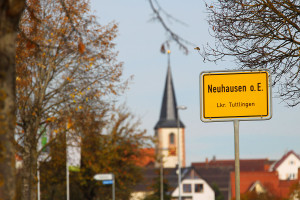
x,y
235,95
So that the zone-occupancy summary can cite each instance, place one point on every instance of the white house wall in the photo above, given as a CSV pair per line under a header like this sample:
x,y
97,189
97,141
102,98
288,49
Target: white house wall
x,y
163,145
139,195
207,194
288,169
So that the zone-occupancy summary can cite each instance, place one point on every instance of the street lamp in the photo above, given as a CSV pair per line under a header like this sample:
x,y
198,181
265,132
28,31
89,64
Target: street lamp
x,y
161,173
179,152
161,178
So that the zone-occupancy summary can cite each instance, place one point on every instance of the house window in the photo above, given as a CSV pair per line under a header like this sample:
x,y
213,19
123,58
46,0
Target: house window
x,y
172,138
291,162
292,176
187,188
198,187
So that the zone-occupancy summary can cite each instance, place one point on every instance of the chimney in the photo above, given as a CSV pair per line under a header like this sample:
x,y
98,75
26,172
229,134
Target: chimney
x,y
214,158
206,160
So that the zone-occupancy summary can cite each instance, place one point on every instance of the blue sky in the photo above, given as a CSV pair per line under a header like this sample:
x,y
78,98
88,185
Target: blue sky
x,y
138,43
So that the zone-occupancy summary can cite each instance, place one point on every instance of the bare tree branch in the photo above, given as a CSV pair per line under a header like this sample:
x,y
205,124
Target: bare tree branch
x,y
259,34
158,16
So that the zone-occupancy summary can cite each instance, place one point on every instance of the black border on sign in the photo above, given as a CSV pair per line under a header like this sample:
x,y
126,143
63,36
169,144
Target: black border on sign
x,y
236,73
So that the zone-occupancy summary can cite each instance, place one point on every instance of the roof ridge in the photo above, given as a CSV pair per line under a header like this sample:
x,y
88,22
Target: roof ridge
x,y
277,163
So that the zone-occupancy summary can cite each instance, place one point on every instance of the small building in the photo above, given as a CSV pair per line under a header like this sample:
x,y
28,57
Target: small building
x,y
217,172
218,178
287,167
263,182
193,187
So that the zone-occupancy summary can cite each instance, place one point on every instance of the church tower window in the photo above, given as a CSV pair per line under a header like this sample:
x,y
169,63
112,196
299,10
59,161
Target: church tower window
x,y
172,139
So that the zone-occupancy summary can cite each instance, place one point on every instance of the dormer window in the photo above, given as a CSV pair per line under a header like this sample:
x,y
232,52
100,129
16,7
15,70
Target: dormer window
x,y
198,188
187,188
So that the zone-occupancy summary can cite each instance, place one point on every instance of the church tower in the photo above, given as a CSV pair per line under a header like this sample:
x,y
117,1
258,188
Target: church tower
x,y
166,129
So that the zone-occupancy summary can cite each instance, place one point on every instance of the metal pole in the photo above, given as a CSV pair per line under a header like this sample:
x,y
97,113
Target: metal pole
x,y
39,181
237,159
113,189
68,186
161,177
179,159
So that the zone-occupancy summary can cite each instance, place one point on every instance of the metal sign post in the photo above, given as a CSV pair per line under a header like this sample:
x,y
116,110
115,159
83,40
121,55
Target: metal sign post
x,y
113,188
107,179
68,181
237,159
235,96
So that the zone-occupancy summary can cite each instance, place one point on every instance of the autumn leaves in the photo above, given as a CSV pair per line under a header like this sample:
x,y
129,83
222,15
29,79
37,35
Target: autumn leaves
x,y
67,77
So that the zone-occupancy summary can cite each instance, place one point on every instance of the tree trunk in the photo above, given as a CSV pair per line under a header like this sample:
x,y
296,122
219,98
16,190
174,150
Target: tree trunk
x,y
30,158
29,171
10,12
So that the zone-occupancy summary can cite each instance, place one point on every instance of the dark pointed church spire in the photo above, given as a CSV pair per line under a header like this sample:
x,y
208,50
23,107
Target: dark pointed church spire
x,y
168,113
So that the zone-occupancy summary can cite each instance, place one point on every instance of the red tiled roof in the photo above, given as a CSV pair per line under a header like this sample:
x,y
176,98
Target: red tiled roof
x,y
147,157
18,158
245,164
279,162
269,180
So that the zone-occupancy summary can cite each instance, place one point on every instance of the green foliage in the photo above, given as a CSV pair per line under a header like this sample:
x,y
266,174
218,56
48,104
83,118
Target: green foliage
x,y
260,196
112,149
53,172
295,190
218,194
110,143
157,190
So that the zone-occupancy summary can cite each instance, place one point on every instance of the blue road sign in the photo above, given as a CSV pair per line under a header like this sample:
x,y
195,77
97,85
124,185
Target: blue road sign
x,y
107,182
